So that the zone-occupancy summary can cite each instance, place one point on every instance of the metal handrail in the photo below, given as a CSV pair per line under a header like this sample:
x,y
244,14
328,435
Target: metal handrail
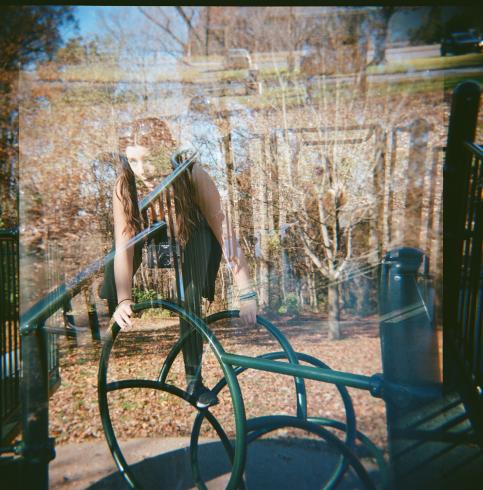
x,y
476,149
9,232
49,304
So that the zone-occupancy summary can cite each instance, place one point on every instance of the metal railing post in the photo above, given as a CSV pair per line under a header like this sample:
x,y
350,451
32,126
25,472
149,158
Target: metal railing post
x,y
462,128
408,343
92,313
9,325
36,447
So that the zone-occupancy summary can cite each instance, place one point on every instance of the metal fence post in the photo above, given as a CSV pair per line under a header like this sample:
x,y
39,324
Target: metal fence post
x,y
408,344
92,313
69,322
37,447
9,342
462,128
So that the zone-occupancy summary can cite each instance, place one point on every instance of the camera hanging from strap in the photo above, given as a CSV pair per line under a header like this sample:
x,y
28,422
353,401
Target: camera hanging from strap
x,y
159,250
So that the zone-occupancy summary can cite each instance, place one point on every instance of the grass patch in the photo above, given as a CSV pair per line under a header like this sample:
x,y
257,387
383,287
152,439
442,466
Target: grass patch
x,y
130,405
432,63
199,58
237,75
295,96
432,84
113,73
156,313
275,72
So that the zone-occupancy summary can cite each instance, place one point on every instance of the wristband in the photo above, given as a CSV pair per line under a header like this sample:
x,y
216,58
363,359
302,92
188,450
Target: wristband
x,y
130,299
248,296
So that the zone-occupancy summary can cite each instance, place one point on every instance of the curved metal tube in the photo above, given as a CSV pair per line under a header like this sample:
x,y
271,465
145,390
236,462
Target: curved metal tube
x,y
170,358
301,392
351,431
373,449
273,422
228,371
249,430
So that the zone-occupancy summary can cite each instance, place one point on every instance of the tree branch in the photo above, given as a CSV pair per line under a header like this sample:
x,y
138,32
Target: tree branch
x,y
163,27
316,261
188,23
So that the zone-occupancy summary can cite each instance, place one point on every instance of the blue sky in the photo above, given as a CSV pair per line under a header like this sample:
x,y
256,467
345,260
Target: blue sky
x,y
88,20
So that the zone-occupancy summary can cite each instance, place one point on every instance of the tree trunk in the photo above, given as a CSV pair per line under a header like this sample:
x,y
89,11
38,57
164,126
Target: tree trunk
x,y
380,47
260,225
281,155
415,179
313,291
378,232
207,39
381,36
300,294
334,312
270,185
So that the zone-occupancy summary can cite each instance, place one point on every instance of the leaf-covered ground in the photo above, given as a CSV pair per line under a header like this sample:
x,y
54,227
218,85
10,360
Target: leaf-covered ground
x,y
74,412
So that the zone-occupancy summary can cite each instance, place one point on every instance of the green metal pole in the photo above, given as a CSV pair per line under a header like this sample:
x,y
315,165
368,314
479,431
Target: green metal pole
x,y
462,126
409,352
92,313
36,447
308,372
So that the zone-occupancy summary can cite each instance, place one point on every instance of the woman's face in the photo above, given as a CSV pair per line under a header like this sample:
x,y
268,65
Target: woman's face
x,y
138,158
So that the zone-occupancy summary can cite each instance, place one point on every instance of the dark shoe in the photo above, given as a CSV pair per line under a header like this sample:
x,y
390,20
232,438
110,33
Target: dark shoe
x,y
204,396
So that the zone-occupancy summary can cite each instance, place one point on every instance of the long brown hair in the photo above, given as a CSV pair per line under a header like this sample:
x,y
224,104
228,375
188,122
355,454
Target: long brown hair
x,y
112,171
154,134
128,197
188,214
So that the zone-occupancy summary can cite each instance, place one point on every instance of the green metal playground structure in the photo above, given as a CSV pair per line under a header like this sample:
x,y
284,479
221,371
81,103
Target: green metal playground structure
x,y
405,301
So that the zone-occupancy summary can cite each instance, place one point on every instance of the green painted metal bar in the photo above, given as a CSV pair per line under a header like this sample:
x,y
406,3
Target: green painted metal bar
x,y
228,372
301,392
318,374
376,453
9,348
56,299
195,432
36,446
462,127
9,232
270,423
350,426
92,314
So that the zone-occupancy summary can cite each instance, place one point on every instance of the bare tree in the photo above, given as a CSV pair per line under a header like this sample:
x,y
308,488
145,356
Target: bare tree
x,y
327,216
167,19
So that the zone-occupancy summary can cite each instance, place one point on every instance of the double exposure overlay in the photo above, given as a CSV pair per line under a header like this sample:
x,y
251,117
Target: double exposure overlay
x,y
230,243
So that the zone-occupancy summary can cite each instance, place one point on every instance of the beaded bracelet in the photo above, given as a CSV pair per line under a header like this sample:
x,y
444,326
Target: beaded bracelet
x,y
248,296
130,299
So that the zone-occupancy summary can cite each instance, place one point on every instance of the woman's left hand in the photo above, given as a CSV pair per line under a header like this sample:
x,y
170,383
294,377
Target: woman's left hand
x,y
248,312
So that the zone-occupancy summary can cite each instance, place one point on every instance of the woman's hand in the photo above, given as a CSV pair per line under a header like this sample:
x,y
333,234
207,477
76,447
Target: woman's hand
x,y
122,315
248,312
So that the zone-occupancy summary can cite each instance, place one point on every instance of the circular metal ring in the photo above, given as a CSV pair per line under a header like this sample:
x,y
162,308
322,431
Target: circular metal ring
x,y
292,356
239,453
264,425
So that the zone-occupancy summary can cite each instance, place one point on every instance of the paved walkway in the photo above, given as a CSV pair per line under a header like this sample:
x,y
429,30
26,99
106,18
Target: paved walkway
x,y
164,463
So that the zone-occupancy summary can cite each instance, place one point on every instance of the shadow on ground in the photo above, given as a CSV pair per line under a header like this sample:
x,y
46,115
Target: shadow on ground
x,y
276,464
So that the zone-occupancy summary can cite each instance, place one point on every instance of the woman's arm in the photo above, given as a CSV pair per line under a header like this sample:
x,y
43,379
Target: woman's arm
x,y
123,262
208,199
